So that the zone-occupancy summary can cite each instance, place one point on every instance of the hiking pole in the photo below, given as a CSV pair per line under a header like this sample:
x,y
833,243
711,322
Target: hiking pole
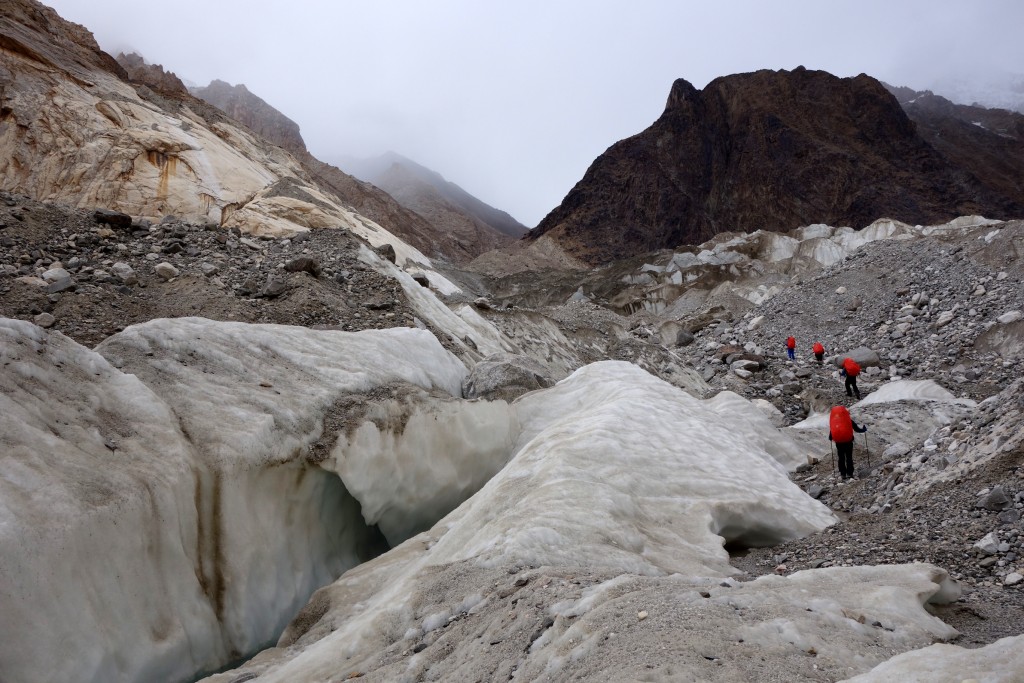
x,y
867,451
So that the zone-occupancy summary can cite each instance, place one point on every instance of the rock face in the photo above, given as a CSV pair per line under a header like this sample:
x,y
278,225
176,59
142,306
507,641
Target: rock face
x,y
80,128
401,177
770,150
989,143
473,235
434,225
245,107
151,75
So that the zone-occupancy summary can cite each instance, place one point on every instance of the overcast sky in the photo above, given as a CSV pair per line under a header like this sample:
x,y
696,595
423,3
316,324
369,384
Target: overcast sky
x,y
514,100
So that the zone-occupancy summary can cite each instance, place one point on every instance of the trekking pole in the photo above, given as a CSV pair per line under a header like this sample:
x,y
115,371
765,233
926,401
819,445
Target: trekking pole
x,y
832,450
867,451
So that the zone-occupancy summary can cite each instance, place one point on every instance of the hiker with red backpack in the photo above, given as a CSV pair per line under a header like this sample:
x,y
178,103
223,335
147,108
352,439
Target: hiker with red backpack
x,y
819,352
791,348
840,431
850,370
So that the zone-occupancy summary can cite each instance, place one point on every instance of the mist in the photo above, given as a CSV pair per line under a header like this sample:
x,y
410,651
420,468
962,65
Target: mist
x,y
513,101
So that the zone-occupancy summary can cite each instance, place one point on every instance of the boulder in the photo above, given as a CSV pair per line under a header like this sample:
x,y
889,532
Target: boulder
x,y
988,545
753,362
304,264
814,401
387,251
124,273
862,356
505,377
274,287
114,219
55,274
684,338
166,270
745,364
995,500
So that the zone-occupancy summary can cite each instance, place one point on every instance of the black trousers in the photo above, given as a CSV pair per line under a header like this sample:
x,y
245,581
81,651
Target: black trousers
x,y
845,453
851,383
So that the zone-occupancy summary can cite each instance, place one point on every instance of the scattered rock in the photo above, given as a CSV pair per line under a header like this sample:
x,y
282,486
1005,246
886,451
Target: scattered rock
x,y
304,264
995,500
124,273
506,377
112,218
166,270
274,287
387,252
988,545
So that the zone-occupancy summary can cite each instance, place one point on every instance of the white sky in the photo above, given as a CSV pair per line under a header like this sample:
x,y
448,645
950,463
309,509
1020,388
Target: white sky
x,y
514,100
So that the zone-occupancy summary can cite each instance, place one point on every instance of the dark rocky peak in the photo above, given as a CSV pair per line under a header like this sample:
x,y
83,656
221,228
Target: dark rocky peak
x,y
254,112
773,150
152,76
989,143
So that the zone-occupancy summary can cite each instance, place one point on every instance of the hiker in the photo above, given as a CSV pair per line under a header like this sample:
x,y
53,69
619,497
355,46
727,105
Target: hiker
x,y
840,431
850,371
819,352
791,348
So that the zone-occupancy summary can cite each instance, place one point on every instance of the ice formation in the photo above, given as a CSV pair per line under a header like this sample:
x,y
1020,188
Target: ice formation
x,y
409,463
1000,662
161,523
912,390
918,391
230,469
617,472
613,470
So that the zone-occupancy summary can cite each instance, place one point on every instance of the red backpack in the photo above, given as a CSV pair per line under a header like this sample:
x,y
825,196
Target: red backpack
x,y
851,367
818,348
791,343
840,424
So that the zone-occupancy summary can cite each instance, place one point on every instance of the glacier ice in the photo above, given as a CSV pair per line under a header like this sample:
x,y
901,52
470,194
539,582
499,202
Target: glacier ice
x,y
166,517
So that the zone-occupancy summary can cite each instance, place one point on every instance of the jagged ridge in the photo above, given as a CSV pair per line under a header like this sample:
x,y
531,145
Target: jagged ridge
x,y
772,150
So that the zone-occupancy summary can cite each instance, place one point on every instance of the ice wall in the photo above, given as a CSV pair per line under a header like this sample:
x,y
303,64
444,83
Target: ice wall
x,y
411,459
614,470
612,448
169,516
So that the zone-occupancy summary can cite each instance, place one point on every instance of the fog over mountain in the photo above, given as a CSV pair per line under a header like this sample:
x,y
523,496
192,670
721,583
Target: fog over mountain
x,y
512,102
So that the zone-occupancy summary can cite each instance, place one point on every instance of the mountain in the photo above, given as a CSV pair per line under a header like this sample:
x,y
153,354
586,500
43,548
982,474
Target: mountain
x,y
477,226
264,438
431,224
987,142
992,90
772,150
245,107
411,183
80,128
